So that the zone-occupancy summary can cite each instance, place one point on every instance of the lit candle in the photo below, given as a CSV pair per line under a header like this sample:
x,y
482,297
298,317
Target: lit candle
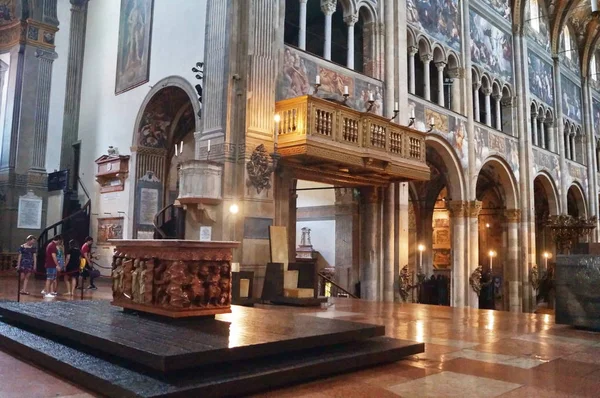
x,y
345,90
318,80
432,121
370,96
176,154
412,113
208,145
396,106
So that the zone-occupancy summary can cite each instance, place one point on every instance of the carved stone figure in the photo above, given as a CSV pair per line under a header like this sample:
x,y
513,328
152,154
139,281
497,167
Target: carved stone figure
x,y
404,283
475,279
259,170
225,287
127,279
117,275
196,290
213,293
159,289
173,280
147,281
135,280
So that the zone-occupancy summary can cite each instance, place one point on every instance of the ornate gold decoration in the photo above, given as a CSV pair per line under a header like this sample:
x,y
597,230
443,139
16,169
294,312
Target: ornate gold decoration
x,y
512,215
404,283
474,208
475,279
259,170
566,230
457,208
534,277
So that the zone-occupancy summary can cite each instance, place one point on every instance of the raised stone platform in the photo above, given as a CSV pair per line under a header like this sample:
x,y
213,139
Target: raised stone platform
x,y
249,350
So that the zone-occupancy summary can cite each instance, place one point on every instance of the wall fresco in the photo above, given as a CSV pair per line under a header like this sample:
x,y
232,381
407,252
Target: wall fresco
x,y
596,114
541,37
488,143
500,7
541,79
440,20
546,161
491,48
571,99
299,73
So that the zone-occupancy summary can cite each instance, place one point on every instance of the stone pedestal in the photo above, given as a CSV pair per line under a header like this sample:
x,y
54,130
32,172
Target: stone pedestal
x,y
200,191
173,278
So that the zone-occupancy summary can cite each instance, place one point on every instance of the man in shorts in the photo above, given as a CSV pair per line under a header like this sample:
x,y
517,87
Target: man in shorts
x,y
51,266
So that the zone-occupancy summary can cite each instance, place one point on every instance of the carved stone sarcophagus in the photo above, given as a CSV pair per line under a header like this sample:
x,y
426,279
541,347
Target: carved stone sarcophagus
x,y
174,278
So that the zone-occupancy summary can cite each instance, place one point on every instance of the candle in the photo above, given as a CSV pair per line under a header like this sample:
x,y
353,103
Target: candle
x,y
208,146
412,113
370,96
396,106
432,121
176,154
318,80
345,90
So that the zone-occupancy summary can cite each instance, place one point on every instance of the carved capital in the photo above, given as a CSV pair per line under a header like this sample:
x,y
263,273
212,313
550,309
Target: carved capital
x,y
47,55
79,5
351,19
476,85
487,91
412,51
457,208
456,73
303,1
426,58
440,66
512,215
474,208
507,102
328,6
497,97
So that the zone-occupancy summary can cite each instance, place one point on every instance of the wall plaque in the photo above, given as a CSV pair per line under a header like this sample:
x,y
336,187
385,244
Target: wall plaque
x,y
30,212
205,233
148,205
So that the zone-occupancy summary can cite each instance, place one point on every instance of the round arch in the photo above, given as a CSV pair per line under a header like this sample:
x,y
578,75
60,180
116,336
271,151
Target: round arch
x,y
576,196
550,190
506,179
455,180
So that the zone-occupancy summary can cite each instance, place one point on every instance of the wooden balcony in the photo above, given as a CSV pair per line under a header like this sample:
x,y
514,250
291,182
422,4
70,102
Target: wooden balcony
x,y
330,142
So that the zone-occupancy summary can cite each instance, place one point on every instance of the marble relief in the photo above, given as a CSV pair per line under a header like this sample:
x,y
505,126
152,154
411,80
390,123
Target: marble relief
x,y
571,99
440,20
491,48
299,74
541,79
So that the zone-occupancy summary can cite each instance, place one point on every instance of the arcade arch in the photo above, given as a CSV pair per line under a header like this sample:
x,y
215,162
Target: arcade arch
x,y
576,206
546,204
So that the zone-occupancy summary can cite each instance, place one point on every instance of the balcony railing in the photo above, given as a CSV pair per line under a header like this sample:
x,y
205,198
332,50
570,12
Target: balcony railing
x,y
320,128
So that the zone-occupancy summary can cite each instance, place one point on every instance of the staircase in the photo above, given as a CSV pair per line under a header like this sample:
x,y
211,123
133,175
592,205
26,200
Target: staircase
x,y
74,225
169,223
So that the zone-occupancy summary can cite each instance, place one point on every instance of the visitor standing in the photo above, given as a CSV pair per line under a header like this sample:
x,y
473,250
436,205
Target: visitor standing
x,y
86,253
51,264
27,262
72,269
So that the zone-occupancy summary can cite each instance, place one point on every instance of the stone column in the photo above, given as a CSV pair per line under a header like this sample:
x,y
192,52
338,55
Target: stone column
x,y
542,132
440,68
512,278
389,261
498,108
328,7
412,51
572,148
3,69
551,134
487,92
73,89
40,132
591,163
460,284
369,267
473,210
563,145
426,59
477,115
456,75
350,21
302,24
389,66
534,131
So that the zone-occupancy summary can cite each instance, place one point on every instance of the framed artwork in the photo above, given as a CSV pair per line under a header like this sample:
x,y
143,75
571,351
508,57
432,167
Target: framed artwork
x,y
109,228
441,258
133,57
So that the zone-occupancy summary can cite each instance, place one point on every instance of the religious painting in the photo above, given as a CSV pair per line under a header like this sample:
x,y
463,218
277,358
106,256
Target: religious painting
x,y
442,237
157,117
133,56
457,137
571,99
441,258
500,7
439,19
440,121
491,48
536,26
512,156
7,11
109,228
296,74
541,79
544,160
441,223
596,114
482,146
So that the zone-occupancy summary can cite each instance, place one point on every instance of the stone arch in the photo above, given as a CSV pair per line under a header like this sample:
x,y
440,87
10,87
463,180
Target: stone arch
x,y
456,182
505,180
453,60
486,81
411,37
424,45
496,87
576,203
475,75
439,55
366,9
550,190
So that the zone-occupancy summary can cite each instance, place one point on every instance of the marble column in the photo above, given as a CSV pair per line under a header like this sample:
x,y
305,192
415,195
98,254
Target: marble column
x,y
426,59
389,65
369,267
498,108
512,277
460,284
572,148
40,132
389,262
473,210
350,21
476,112
550,134
456,75
412,51
302,24
542,132
534,130
563,144
590,151
328,7
487,92
440,77
3,69
73,89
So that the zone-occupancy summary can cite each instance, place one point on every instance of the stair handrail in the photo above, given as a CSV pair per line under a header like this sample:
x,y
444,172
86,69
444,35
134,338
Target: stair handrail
x,y
83,187
85,209
157,217
327,279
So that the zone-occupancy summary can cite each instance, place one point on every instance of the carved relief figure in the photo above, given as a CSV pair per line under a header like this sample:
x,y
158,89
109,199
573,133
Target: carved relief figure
x,y
135,280
117,275
259,170
146,281
127,279
172,281
196,290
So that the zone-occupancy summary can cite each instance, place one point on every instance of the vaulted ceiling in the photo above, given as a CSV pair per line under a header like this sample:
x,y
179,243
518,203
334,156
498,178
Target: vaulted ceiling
x,y
578,14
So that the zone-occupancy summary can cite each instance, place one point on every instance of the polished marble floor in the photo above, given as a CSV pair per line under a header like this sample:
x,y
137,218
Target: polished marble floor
x,y
468,353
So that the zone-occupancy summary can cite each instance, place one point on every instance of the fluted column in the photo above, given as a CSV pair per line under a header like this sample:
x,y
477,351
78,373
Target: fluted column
x,y
302,25
350,21
426,59
498,108
487,92
477,115
512,222
440,68
534,131
473,210
459,294
412,51
328,7
73,89
40,132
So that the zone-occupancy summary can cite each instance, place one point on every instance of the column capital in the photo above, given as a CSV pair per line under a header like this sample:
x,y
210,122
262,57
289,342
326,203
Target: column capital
x,y
412,50
47,55
497,97
487,91
541,117
328,6
303,1
474,208
549,121
476,85
440,65
79,5
457,208
351,19
426,58
508,101
456,73
512,215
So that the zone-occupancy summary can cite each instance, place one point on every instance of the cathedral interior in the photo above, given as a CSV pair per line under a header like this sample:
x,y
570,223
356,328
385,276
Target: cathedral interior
x,y
432,167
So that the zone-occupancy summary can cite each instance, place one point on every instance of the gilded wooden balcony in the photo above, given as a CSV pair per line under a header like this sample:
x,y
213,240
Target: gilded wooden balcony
x,y
328,141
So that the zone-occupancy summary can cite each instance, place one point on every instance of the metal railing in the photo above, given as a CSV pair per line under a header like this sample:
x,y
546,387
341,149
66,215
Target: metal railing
x,y
328,288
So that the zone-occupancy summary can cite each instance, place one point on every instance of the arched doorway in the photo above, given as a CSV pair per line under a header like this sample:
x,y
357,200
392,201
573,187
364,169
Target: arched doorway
x,y
546,205
576,201
498,234
163,138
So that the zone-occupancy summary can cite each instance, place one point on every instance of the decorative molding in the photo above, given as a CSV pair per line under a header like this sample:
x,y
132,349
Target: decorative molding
x,y
512,215
457,208
475,280
259,170
474,208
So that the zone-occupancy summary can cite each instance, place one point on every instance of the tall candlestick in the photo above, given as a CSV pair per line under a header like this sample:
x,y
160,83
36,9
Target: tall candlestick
x,y
396,107
318,80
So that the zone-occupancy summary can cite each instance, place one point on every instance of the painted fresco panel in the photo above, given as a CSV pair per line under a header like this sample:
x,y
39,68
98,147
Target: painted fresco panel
x,y
491,48
547,161
596,115
541,79
541,38
571,99
7,11
500,7
299,74
440,20
490,143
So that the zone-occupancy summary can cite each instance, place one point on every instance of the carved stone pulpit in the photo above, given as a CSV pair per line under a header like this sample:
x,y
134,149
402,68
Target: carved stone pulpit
x,y
174,278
